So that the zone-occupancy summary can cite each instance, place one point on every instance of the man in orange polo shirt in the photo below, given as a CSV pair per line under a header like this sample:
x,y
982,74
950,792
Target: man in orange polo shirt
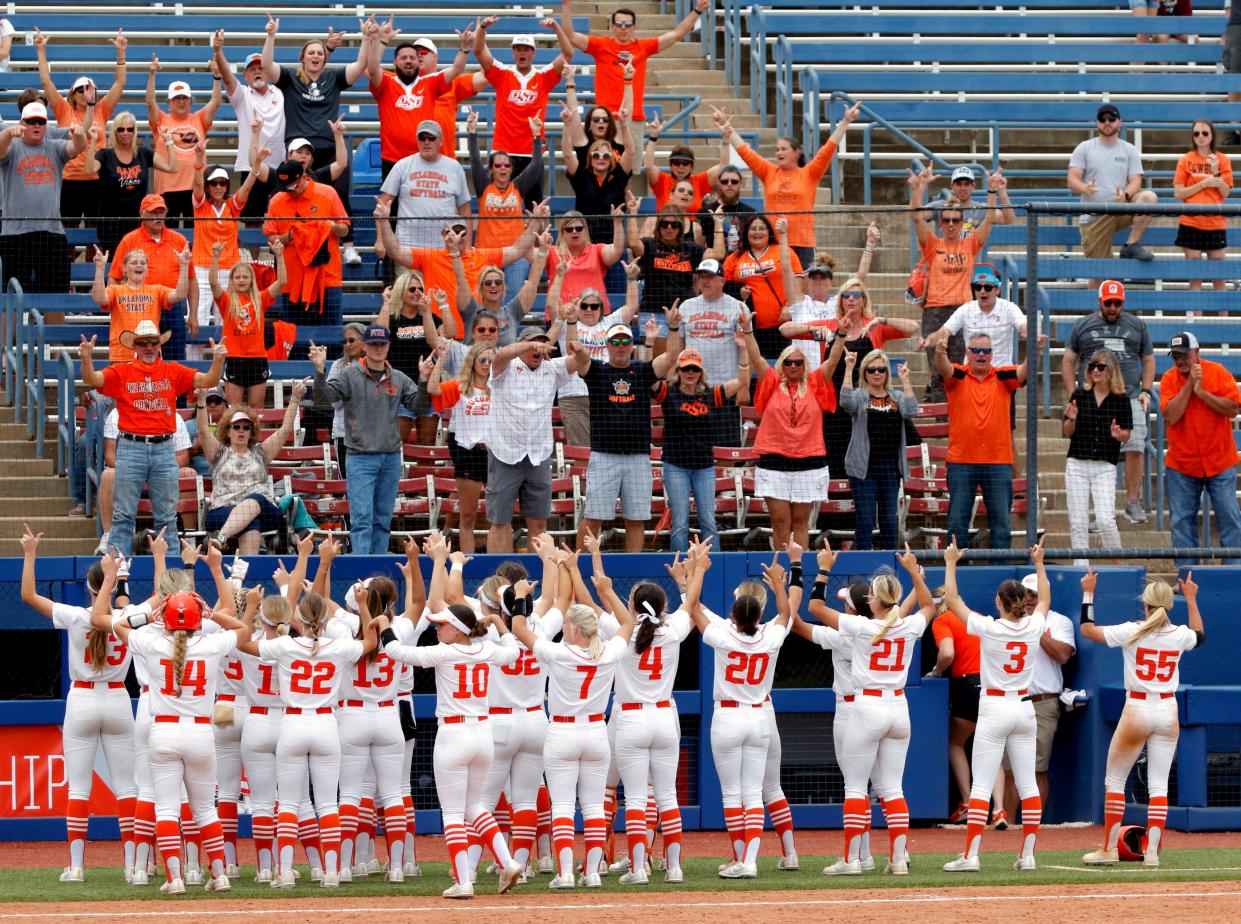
x,y
145,391
980,452
161,245
1199,398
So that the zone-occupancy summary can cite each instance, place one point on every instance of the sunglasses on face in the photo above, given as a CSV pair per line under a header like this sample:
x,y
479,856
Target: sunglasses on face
x,y
1202,134
486,330
691,368
493,282
732,182
851,294
34,121
601,155
352,340
984,287
619,341
877,370
146,344
427,136
950,221
669,224
591,306
217,182
500,165
244,425
794,362
1113,304
981,351
1097,367
623,23
680,162
574,229
80,90
1108,118
125,130
600,118
484,360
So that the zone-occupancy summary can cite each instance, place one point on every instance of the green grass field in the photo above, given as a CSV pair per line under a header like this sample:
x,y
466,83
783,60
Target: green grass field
x,y
1188,865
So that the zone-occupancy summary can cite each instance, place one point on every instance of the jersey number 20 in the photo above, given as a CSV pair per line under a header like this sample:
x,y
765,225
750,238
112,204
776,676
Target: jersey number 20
x,y
746,669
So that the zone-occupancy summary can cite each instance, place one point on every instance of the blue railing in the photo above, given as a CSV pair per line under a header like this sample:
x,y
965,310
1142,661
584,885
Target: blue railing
x,y
66,401
35,390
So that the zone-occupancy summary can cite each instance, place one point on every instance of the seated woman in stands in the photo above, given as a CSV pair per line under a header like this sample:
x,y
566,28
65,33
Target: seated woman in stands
x,y
242,505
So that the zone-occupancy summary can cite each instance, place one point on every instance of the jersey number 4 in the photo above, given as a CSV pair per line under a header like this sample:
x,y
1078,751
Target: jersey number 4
x,y
746,669
889,655
310,678
1154,664
652,661
193,678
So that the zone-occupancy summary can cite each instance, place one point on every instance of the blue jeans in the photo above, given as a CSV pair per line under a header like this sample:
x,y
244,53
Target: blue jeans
x,y
373,478
678,483
155,466
1185,498
879,490
174,320
996,482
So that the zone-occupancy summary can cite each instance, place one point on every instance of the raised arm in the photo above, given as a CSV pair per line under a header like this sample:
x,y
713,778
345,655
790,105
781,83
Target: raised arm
x,y
270,67
482,54
670,38
153,110
45,70
566,19
119,73
437,548
30,592
274,443
952,597
356,68
918,183
818,595
99,290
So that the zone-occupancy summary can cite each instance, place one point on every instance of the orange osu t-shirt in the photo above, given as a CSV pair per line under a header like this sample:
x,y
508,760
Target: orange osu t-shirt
x,y
402,107
978,429
1193,168
951,266
243,331
67,117
217,223
504,216
146,395
519,97
763,277
662,188
610,60
791,191
129,305
182,177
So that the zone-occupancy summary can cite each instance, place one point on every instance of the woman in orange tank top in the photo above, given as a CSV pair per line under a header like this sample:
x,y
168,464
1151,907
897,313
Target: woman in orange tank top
x,y
243,309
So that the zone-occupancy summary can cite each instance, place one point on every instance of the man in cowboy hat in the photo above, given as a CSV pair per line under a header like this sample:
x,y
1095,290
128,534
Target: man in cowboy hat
x,y
145,391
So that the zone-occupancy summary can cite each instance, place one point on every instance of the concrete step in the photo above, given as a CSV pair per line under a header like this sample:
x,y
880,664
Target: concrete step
x,y
32,486
51,545
61,526
57,505
32,467
16,449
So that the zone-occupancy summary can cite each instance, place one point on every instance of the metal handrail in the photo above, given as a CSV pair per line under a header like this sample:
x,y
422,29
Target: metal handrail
x,y
35,382
14,348
66,401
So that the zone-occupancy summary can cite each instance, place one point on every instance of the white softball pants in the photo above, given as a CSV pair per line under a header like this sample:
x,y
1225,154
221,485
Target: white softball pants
x,y
876,740
228,752
1153,723
94,717
575,760
1004,722
371,742
259,737
648,749
182,754
740,740
462,760
309,737
517,763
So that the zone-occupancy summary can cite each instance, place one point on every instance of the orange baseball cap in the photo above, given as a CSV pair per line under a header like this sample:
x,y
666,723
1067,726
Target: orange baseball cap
x,y
153,203
689,358
1111,290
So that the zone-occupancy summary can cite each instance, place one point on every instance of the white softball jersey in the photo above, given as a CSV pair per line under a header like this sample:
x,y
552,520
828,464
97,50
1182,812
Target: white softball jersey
x,y
462,672
310,679
577,684
648,677
745,665
199,677
75,620
1152,665
882,664
1007,649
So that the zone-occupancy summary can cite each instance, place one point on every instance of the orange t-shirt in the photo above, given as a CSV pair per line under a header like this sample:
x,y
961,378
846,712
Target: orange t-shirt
x,y
67,117
789,425
951,267
763,276
128,306
217,223
1200,444
662,188
182,177
978,427
505,203
791,190
610,60
146,396
437,273
967,648
1192,168
162,265
518,98
463,88
284,335
319,200
243,332
402,107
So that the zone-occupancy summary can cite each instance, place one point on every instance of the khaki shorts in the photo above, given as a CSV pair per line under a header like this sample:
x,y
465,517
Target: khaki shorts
x,y
1097,234
1047,718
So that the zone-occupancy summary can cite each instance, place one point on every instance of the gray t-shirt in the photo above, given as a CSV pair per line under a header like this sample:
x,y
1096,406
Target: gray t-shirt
x,y
1109,165
425,190
708,327
510,315
1128,338
32,186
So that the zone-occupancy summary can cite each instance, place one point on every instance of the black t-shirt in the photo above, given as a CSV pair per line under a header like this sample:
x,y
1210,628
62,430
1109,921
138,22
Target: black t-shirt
x,y
1092,436
668,272
308,107
883,425
620,407
122,186
689,431
409,345
595,199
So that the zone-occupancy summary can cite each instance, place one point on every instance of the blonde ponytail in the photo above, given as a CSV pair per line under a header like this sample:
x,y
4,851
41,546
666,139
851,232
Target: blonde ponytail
x,y
276,613
313,609
1158,599
179,640
885,589
587,623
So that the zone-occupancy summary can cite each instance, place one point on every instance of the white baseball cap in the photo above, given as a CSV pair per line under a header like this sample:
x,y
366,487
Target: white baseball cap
x,y
1030,583
83,82
219,173
298,143
179,88
426,45
34,111
964,173
710,266
525,39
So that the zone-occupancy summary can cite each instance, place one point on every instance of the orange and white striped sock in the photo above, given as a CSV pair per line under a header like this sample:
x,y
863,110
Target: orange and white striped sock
x,y
503,814
525,830
652,823
1156,818
286,839
543,804
596,836
227,811
734,824
411,828
976,822
192,837
490,834
670,824
144,833
364,847
263,831
782,821
77,819
168,838
1113,814
635,837
474,845
896,812
308,834
213,846
394,834
856,815
609,820
458,840
1031,818
329,839
562,844
753,834
125,818
348,833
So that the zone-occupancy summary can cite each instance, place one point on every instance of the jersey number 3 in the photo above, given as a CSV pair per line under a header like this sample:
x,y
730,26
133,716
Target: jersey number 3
x,y
1016,662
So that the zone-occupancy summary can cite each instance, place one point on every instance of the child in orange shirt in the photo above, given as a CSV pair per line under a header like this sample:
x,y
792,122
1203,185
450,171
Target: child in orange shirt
x,y
134,300
245,370
216,219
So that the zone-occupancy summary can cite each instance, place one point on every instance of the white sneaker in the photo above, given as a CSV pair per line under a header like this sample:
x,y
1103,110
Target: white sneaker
x,y
316,874
151,867
562,882
285,880
493,868
740,871
72,874
359,870
509,876
789,862
868,863
263,875
330,880
638,878
392,875
459,890
546,865
373,866
218,884
413,870
175,887
194,877
345,875
843,867
232,871
605,867
620,866
962,864
674,874
896,868
1149,860
129,875
1024,863
351,255
1101,857
297,873
590,881
139,878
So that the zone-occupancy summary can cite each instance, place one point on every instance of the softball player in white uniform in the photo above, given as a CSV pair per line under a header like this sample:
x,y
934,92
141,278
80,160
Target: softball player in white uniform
x,y
230,716
580,670
415,603
97,712
876,738
463,745
745,661
1005,714
1152,650
310,669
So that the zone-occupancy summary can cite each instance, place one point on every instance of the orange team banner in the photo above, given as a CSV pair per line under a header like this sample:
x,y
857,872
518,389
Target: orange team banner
x,y
33,783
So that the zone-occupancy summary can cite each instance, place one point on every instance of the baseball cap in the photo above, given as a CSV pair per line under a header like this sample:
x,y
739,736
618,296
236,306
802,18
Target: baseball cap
x,y
818,269
1107,109
431,127
1030,583
689,358
536,333
985,272
34,111
522,40
452,224
255,58
1111,290
214,392
710,266
218,173
153,202
1182,343
298,143
964,173
288,173
83,82
619,330
179,88
682,152
376,333
426,45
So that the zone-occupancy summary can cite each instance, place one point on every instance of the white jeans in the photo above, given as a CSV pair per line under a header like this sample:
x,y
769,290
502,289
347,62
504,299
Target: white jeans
x,y
1083,482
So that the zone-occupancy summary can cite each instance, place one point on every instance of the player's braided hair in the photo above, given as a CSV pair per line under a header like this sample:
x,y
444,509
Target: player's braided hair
x,y
96,642
1012,598
313,610
1158,599
179,641
885,590
587,623
647,599
380,596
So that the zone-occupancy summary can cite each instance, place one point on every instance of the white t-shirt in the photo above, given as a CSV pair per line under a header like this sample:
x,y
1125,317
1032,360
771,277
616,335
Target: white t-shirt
x,y
1006,649
203,656
75,620
1048,676
310,679
577,684
648,677
1108,165
470,415
817,314
883,665
269,107
745,665
520,422
842,658
180,436
1153,664
708,327
1002,324
428,192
